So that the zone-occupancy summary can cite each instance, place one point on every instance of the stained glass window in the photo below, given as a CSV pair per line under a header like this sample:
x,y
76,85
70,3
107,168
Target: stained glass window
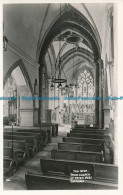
x,y
86,89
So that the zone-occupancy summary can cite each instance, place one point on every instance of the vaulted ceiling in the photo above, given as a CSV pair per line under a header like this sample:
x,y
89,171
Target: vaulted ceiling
x,y
36,28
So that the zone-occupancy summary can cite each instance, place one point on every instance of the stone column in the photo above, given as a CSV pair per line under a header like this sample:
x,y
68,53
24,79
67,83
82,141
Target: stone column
x,y
40,94
49,94
100,93
18,109
97,94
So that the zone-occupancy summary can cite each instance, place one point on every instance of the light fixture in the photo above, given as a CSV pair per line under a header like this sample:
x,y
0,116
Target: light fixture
x,y
5,42
52,86
66,87
60,86
59,80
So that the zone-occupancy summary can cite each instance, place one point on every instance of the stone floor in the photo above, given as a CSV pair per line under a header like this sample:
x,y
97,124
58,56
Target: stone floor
x,y
17,181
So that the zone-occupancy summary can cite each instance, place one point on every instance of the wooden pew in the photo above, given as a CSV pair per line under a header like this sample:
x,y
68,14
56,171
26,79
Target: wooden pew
x,y
77,155
86,127
97,132
17,144
38,137
84,140
108,154
53,126
31,140
45,134
64,167
43,182
18,156
98,171
93,136
9,167
82,126
80,147
48,129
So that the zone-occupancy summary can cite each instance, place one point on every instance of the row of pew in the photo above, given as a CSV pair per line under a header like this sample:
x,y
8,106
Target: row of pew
x,y
21,145
82,150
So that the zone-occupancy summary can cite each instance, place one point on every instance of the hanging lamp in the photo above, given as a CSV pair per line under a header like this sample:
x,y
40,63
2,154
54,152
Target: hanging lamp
x,y
58,79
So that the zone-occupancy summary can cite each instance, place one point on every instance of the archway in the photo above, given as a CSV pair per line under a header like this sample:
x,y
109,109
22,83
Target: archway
x,y
17,84
71,22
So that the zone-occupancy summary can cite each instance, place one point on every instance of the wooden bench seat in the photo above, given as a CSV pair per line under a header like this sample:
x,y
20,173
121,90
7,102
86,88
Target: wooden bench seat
x,y
84,140
17,144
44,182
83,135
82,126
80,147
98,171
31,140
89,129
18,156
86,127
43,134
77,155
40,139
46,133
97,132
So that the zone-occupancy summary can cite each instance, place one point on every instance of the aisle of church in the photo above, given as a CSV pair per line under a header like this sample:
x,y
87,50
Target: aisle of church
x,y
17,181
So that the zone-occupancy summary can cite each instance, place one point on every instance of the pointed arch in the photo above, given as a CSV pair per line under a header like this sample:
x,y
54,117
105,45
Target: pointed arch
x,y
24,72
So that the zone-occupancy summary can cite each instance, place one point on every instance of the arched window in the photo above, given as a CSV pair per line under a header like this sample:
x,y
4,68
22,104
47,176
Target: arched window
x,y
86,89
86,84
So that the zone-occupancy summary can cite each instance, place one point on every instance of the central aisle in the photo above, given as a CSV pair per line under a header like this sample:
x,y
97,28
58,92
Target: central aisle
x,y
17,182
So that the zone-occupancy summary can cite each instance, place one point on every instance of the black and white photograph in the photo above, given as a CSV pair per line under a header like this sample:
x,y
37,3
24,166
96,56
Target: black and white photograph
x,y
60,96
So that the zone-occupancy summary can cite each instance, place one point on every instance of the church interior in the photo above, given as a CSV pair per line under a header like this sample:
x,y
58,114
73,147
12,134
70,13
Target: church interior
x,y
59,79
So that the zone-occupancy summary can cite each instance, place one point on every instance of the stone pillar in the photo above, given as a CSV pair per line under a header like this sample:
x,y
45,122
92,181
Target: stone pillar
x,y
54,92
18,109
49,94
40,95
100,93
97,94
46,92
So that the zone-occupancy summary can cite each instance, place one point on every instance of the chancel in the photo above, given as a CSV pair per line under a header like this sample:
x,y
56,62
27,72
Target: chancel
x,y
59,67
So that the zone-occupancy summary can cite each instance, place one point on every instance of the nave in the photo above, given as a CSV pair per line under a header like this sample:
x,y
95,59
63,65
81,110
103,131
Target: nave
x,y
59,66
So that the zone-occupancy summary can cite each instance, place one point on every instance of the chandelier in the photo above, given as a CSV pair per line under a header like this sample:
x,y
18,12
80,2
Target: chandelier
x,y
58,79
74,39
